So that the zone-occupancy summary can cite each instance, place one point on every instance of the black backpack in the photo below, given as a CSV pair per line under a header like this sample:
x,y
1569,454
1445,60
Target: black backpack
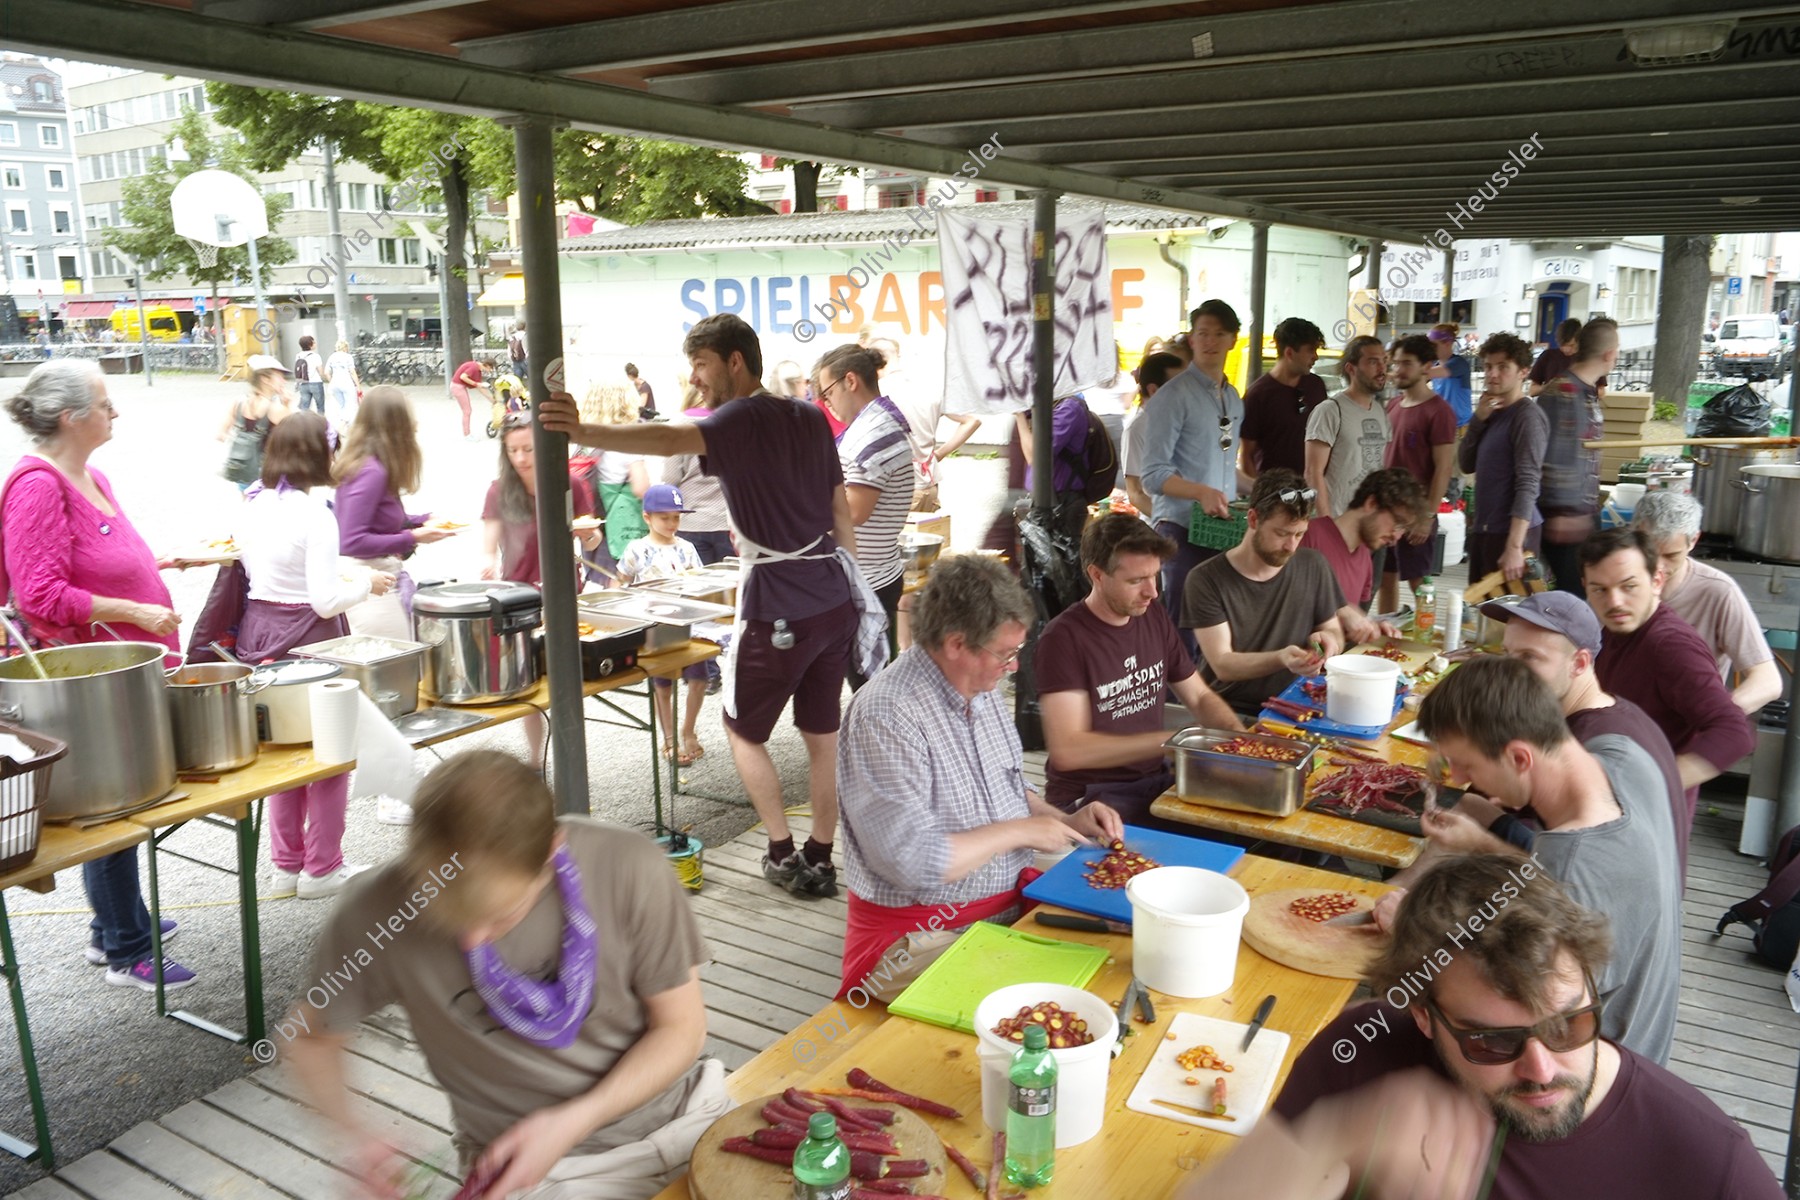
x,y
1100,462
301,372
1773,914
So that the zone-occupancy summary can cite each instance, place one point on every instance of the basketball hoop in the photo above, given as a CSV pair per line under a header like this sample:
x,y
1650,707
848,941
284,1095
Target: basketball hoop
x,y
205,253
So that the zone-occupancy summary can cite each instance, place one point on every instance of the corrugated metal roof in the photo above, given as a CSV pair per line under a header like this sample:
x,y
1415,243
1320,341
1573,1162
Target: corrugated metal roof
x,y
831,228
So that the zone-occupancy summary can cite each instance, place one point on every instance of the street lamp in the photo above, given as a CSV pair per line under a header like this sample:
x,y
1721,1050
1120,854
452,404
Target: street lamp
x,y
135,282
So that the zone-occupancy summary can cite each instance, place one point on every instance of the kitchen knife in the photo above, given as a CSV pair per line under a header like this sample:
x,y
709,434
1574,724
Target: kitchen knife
x,y
1124,1016
1256,1023
1085,924
1361,916
1208,1113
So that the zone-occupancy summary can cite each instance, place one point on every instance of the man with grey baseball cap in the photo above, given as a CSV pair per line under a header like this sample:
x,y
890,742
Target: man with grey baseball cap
x,y
1557,635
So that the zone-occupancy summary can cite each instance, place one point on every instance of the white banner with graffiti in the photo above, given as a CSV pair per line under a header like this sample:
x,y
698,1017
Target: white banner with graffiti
x,y
987,292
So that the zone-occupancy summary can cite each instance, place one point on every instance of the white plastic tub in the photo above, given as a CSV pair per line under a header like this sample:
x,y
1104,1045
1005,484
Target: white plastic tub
x,y
1080,1072
1454,526
1359,689
1185,927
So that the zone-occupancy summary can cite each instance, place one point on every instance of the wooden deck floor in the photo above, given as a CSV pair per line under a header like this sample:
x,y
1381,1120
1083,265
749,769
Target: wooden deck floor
x,y
774,962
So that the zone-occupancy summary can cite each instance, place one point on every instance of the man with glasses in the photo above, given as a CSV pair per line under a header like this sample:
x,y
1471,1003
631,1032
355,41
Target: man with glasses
x,y
1608,833
1188,437
938,819
1381,509
1489,1070
1265,611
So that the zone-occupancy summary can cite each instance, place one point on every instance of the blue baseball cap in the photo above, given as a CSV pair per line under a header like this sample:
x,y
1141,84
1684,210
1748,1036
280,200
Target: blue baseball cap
x,y
664,498
1559,612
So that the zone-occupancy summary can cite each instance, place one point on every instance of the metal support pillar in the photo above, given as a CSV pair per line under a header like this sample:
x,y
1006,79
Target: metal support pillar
x,y
1377,248
1043,349
1449,284
340,286
1259,288
537,235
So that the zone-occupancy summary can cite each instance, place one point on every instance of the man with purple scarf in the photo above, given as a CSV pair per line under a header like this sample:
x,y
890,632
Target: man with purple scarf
x,y
550,970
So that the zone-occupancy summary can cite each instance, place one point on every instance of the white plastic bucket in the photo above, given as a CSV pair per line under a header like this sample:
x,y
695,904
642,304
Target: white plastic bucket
x,y
1080,1072
1454,526
1185,926
1625,496
1359,689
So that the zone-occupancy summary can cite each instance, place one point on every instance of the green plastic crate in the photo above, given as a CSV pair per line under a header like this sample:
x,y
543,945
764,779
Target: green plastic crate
x,y
1700,391
1219,533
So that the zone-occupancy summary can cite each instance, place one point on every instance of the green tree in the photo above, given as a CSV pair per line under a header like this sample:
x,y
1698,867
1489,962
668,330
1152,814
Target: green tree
x,y
634,180
148,235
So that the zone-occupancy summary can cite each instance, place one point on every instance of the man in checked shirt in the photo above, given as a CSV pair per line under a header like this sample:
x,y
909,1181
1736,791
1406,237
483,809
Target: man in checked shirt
x,y
938,820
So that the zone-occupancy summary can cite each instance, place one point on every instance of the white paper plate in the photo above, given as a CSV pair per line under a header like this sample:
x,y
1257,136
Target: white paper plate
x,y
1248,1087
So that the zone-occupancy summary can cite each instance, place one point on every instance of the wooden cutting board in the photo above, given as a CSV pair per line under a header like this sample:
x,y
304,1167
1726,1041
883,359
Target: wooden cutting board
x,y
1417,653
1335,951
715,1175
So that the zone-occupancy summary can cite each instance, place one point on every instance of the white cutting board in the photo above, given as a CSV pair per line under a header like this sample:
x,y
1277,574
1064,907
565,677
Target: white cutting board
x,y
1247,1088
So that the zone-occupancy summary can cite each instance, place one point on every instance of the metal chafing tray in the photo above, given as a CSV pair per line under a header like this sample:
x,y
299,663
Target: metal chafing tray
x,y
672,617
1204,775
708,589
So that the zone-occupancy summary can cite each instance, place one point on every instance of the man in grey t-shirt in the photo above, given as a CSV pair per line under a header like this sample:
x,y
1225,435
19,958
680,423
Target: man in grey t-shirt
x,y
1347,436
1607,836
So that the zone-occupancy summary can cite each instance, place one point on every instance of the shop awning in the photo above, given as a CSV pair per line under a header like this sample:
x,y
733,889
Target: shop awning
x,y
509,292
87,310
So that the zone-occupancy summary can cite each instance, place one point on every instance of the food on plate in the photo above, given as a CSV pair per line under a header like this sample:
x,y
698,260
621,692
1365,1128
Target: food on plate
x,y
1323,907
1251,748
449,526
1064,1029
583,629
1202,1058
1389,653
1116,869
1369,785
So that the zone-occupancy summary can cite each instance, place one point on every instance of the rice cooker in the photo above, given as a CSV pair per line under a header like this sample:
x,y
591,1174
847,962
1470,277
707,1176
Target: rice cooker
x,y
478,639
284,698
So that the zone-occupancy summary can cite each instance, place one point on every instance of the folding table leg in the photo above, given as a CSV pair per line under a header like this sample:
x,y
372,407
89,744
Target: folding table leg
x,y
250,924
9,966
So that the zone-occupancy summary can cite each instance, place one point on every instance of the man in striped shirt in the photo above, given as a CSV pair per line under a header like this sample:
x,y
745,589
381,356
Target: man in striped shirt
x,y
876,456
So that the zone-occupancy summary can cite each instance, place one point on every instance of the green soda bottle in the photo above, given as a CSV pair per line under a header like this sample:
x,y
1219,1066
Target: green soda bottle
x,y
1031,1112
821,1163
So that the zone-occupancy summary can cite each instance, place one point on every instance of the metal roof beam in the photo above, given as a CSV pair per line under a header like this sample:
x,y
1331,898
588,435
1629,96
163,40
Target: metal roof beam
x,y
1667,176
316,14
1328,31
754,27
170,39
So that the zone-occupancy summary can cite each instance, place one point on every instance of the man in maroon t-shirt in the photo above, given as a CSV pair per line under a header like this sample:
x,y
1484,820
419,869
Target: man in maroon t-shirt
x,y
1277,405
1103,667
1384,506
1424,443
1488,1013
779,472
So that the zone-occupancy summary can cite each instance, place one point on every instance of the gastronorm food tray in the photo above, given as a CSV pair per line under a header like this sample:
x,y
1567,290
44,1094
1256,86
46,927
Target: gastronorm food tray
x,y
1205,775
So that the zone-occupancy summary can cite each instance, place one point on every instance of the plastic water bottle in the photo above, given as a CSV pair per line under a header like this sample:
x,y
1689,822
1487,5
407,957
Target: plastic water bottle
x,y
1031,1112
1425,598
821,1163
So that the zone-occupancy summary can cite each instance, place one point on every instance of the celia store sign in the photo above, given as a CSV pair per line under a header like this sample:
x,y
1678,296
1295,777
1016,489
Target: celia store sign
x,y
1579,269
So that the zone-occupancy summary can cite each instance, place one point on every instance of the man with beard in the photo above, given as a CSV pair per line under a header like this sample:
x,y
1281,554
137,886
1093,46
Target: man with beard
x,y
1424,444
1492,1015
1265,611
1384,506
1607,837
1103,668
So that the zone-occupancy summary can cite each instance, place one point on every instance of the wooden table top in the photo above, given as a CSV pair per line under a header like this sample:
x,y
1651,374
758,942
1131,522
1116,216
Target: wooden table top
x,y
1134,1154
63,846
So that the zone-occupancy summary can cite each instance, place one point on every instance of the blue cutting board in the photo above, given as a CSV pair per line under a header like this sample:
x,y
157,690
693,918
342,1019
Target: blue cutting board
x,y
1320,725
1066,883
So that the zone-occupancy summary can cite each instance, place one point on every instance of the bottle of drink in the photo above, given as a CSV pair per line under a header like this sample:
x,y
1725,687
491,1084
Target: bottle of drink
x,y
1425,618
821,1163
1031,1112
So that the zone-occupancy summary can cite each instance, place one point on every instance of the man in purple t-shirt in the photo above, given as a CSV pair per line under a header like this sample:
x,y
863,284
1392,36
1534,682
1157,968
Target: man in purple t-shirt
x,y
1384,506
1489,1013
1103,667
779,470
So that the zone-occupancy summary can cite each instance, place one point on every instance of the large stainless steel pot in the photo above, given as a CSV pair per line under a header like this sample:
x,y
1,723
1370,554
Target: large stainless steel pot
x,y
1716,483
1768,524
107,701
479,636
211,714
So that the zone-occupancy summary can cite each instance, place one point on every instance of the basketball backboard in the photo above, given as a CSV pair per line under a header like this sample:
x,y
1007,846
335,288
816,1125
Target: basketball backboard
x,y
218,208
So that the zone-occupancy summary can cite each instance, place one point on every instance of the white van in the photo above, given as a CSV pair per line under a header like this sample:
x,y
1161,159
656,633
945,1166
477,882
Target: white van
x,y
1752,344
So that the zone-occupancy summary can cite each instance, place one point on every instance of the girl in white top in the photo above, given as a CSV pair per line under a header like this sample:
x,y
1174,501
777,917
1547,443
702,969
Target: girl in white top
x,y
299,590
343,385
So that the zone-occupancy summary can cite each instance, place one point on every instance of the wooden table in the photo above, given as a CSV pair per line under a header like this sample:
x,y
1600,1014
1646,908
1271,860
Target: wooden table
x,y
59,848
1134,1154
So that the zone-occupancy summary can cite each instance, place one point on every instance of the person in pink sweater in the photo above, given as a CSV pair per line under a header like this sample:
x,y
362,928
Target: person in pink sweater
x,y
72,561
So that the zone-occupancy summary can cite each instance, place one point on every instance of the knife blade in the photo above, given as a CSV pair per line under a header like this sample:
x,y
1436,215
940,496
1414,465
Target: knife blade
x,y
1084,924
1208,1113
1124,1016
1256,1023
1361,916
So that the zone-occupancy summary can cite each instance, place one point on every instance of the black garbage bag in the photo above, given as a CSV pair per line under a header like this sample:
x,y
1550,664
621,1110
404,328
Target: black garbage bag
x,y
1739,412
1050,545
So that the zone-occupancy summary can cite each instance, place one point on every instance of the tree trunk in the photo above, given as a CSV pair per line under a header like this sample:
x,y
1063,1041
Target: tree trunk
x,y
456,264
1680,316
806,187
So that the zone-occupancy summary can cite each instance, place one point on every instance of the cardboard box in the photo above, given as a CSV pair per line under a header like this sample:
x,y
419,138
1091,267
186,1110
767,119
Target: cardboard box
x,y
937,522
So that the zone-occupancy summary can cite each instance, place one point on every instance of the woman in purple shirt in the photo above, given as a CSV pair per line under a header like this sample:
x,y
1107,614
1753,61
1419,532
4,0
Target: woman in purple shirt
x,y
380,460
72,561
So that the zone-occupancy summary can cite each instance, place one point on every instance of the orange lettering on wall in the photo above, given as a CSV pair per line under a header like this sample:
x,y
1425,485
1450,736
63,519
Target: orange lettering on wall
x,y
1121,299
849,316
931,300
888,304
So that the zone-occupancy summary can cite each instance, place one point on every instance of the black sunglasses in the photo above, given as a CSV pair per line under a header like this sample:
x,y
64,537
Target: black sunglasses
x,y
1295,497
1224,431
1496,1047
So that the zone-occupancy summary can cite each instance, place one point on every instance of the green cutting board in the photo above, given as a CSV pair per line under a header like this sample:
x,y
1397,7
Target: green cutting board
x,y
986,959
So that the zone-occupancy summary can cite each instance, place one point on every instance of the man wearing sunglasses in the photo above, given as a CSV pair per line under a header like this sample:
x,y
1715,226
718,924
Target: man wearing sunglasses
x,y
1486,1070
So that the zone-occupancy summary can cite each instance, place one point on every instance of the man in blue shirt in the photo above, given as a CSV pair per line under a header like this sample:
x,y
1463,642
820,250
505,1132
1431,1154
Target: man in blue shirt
x,y
1190,435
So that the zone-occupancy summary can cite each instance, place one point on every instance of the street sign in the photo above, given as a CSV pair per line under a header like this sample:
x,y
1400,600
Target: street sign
x,y
553,375
199,304
1734,286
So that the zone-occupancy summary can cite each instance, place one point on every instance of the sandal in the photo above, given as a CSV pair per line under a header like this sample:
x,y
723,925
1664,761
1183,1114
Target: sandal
x,y
687,757
668,750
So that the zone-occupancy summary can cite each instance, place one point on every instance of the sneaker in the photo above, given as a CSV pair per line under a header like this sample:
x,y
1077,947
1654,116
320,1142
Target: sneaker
x,y
143,975
319,887
817,880
97,956
391,810
283,883
798,877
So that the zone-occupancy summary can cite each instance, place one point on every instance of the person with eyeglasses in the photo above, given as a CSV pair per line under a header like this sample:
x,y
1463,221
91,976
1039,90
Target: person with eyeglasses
x,y
939,820
1382,508
1265,611
1608,833
1487,1069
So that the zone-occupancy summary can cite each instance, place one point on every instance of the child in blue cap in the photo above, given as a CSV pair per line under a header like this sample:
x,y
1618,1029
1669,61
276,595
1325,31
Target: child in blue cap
x,y
660,554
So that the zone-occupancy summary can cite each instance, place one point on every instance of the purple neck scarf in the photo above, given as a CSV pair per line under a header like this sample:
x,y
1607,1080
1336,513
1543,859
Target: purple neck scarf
x,y
545,1014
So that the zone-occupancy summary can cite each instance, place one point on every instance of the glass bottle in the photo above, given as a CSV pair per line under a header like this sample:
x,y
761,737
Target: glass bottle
x,y
821,1163
1425,617
1031,1112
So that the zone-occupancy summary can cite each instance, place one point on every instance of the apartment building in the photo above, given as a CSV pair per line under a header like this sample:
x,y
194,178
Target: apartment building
x,y
42,249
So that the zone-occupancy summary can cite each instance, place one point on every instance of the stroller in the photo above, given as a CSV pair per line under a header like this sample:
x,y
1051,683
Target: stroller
x,y
510,396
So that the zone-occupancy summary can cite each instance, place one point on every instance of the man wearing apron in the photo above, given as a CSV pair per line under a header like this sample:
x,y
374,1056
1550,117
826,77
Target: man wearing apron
x,y
797,619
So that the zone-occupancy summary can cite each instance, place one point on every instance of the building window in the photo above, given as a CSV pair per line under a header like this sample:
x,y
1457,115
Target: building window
x,y
784,206
14,176
61,221
895,198
50,136
68,266
843,202
768,162
9,133
409,252
358,197
43,91
387,251
18,218
56,179
25,266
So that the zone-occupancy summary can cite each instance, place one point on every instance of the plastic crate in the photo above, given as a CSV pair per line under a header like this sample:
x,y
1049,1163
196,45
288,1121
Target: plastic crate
x,y
1219,533
23,789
